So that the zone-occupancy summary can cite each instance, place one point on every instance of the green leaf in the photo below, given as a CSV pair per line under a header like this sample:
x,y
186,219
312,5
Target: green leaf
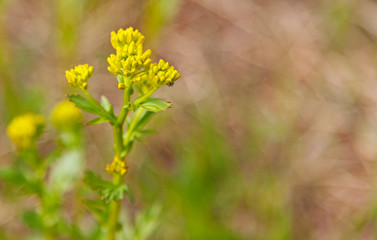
x,y
137,134
142,120
92,107
15,176
12,175
95,182
85,104
97,121
106,105
155,105
98,207
116,192
145,224
107,190
33,220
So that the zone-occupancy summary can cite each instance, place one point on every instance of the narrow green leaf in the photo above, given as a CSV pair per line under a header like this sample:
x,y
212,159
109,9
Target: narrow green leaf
x,y
33,220
97,121
142,120
91,107
98,208
155,105
85,104
106,104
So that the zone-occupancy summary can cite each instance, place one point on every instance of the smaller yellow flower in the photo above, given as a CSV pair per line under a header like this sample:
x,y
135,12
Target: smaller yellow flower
x,y
25,129
161,74
78,76
66,116
117,166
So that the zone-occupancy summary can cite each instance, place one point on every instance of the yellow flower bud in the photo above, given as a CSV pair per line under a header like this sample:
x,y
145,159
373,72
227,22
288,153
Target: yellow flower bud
x,y
117,166
161,74
79,76
25,129
130,57
66,116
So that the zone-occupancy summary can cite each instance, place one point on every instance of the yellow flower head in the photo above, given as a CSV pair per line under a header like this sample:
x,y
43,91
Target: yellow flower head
x,y
129,57
25,129
117,166
161,74
126,37
78,76
66,116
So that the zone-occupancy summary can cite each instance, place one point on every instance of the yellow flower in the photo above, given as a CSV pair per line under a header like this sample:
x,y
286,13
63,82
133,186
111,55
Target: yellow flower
x,y
25,129
117,166
66,116
161,74
126,37
130,57
78,76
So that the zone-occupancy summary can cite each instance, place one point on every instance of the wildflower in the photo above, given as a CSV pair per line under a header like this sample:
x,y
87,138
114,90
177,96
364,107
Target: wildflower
x,y
126,37
25,129
117,166
78,77
66,116
161,74
130,57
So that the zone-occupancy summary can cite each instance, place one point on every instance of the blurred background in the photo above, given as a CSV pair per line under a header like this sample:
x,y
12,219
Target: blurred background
x,y
273,130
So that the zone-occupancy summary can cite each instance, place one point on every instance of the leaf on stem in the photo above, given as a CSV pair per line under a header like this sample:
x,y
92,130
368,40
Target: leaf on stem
x,y
97,121
106,105
85,104
155,105
107,191
91,107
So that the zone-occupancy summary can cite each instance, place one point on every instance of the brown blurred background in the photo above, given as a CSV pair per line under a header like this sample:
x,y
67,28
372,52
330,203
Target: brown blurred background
x,y
273,130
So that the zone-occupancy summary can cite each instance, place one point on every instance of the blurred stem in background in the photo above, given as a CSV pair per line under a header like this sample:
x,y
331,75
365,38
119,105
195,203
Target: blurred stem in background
x,y
10,95
157,15
69,18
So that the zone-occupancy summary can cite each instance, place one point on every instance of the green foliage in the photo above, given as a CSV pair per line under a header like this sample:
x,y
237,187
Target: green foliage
x,y
155,105
93,107
85,104
20,177
33,220
145,225
107,191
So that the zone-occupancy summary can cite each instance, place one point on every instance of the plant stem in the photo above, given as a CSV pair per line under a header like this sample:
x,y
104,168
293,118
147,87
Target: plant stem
x,y
125,108
115,206
147,95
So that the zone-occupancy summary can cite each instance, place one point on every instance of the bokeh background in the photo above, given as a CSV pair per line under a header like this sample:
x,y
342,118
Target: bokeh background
x,y
273,130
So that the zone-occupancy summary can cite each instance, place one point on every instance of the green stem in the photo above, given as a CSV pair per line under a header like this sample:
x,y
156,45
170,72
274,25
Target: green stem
x,y
115,206
39,171
143,98
125,108
131,129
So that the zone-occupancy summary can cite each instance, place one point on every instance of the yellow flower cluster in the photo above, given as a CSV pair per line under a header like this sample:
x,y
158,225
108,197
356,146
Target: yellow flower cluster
x,y
117,166
161,74
25,129
130,57
66,116
78,77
